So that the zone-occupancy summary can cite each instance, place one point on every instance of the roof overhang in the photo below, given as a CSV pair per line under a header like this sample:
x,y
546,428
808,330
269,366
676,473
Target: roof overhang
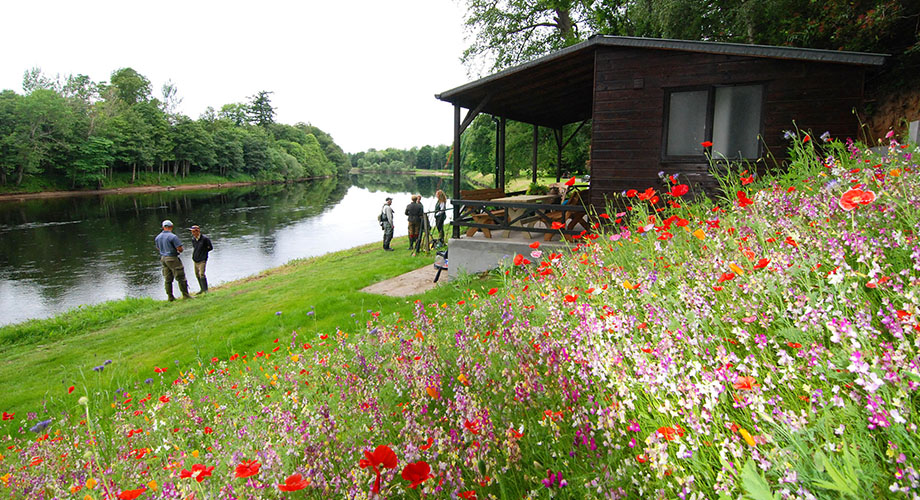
x,y
558,89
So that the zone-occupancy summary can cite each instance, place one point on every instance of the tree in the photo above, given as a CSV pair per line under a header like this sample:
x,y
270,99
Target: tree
x,y
423,159
129,86
43,124
509,32
260,109
171,100
236,113
34,79
95,155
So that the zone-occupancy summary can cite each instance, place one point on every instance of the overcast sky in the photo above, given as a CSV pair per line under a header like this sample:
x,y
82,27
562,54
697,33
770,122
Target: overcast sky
x,y
363,71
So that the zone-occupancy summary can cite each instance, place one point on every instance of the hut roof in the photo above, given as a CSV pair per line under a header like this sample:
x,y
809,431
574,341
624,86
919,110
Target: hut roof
x,y
558,88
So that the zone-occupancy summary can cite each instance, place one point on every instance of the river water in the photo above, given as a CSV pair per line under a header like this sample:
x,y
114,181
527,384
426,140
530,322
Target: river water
x,y
57,254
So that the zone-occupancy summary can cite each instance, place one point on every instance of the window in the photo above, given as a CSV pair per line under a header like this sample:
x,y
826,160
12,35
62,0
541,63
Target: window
x,y
729,117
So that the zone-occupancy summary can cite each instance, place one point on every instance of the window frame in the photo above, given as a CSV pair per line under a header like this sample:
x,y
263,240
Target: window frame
x,y
708,126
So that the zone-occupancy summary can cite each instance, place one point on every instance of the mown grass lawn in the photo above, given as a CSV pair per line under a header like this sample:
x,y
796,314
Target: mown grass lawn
x,y
42,359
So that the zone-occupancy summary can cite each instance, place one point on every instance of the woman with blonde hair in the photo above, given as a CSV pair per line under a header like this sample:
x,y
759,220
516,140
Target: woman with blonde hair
x,y
440,213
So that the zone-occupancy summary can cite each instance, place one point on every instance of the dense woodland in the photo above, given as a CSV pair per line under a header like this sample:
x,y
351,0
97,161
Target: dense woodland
x,y
75,132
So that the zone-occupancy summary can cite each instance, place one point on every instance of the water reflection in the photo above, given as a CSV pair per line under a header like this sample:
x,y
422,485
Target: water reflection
x,y
56,254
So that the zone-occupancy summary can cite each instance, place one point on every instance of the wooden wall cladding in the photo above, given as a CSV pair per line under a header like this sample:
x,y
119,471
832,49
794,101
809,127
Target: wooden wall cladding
x,y
628,115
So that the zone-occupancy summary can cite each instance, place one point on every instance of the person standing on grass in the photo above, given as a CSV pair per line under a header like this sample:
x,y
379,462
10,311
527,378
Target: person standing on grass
x,y
169,246
201,245
440,213
386,223
415,212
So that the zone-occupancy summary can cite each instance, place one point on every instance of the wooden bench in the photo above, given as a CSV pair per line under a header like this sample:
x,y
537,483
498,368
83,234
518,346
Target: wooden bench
x,y
482,217
573,218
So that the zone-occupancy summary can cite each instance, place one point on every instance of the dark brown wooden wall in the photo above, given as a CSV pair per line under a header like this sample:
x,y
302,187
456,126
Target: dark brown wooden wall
x,y
627,121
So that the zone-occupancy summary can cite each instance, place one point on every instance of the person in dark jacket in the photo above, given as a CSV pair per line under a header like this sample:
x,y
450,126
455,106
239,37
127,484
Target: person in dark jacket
x,y
201,245
414,212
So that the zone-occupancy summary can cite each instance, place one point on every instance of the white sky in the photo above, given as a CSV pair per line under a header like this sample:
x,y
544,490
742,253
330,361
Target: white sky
x,y
364,71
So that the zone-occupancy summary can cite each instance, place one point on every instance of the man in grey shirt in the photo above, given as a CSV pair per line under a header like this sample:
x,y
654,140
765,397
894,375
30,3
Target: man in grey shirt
x,y
386,220
170,247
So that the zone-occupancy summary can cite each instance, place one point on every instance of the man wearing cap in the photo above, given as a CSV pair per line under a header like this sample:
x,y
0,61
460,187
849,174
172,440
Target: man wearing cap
x,y
170,247
386,220
201,245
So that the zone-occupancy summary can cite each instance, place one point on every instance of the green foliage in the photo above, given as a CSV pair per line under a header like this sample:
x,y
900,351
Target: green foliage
x,y
74,132
754,483
260,109
509,32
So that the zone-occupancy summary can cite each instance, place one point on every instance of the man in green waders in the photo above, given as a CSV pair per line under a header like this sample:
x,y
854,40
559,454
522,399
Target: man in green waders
x,y
170,247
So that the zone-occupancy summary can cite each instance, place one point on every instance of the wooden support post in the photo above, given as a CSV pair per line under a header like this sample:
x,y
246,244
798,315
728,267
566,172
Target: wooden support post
x,y
558,133
456,161
501,152
498,140
533,159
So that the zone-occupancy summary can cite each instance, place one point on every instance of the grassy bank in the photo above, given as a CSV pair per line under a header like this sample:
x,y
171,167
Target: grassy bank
x,y
123,180
43,358
511,185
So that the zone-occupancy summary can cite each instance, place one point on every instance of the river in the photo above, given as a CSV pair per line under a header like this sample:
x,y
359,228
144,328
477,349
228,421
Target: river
x,y
60,253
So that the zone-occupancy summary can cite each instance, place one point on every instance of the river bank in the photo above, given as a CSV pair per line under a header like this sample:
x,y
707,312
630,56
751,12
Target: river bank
x,y
141,189
132,336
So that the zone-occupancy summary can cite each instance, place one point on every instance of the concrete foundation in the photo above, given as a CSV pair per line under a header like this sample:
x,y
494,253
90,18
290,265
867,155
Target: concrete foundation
x,y
477,254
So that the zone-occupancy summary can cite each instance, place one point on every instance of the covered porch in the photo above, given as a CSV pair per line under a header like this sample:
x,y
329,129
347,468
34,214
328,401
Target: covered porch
x,y
551,92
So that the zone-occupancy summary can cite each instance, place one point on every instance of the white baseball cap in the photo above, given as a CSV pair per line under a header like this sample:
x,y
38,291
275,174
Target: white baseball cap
x,y
167,223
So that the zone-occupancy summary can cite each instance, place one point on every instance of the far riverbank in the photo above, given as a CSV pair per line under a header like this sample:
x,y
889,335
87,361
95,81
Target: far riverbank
x,y
141,189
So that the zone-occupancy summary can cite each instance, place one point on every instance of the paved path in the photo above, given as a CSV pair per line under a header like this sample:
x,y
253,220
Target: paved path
x,y
412,283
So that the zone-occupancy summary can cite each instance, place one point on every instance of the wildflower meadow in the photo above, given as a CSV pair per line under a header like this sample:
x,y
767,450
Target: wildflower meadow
x,y
762,344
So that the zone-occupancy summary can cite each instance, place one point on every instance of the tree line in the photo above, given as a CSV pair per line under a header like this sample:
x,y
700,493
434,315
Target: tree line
x,y
79,133
399,160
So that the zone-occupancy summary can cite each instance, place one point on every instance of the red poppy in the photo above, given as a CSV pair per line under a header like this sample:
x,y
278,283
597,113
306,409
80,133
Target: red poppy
x,y
8,416
794,345
743,200
747,180
159,370
647,194
571,298
604,216
706,144
726,277
570,182
293,483
535,245
746,383
493,291
641,459
427,445
467,495
670,433
762,263
208,430
557,225
198,472
382,456
416,473
806,139
679,190
473,426
132,494
631,193
164,399
247,468
855,197
518,258
70,389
